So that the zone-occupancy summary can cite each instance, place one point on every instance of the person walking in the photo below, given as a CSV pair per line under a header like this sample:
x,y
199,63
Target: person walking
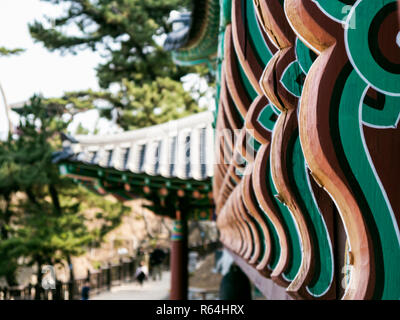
x,y
86,290
141,273
156,259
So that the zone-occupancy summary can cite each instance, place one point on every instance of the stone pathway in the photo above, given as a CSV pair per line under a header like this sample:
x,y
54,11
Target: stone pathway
x,y
151,290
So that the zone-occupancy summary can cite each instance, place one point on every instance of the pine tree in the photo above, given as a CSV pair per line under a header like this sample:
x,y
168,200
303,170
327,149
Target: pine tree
x,y
127,33
43,218
8,52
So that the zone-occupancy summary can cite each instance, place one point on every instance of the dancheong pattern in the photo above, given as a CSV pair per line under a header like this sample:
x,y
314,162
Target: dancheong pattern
x,y
308,144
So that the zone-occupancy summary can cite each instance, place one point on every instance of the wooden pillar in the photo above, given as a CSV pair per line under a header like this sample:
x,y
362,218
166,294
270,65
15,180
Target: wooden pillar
x,y
179,258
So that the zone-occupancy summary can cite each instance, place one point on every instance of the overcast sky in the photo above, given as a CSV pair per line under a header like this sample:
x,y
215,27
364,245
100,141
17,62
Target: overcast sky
x,y
36,70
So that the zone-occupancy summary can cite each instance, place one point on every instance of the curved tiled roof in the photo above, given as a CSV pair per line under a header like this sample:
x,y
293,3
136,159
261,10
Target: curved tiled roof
x,y
178,38
197,41
180,149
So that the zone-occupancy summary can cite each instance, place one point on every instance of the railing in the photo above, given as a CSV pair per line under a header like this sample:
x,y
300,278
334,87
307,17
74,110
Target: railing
x,y
205,249
203,294
100,280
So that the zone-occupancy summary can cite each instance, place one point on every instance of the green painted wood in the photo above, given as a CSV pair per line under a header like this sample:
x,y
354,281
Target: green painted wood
x,y
226,12
323,254
292,79
267,117
363,49
254,143
207,45
255,34
377,212
93,171
262,241
387,117
351,110
290,226
336,9
275,246
275,109
251,92
305,56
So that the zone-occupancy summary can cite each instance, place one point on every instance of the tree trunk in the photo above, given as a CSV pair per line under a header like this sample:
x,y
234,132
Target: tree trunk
x,y
38,289
54,198
71,283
